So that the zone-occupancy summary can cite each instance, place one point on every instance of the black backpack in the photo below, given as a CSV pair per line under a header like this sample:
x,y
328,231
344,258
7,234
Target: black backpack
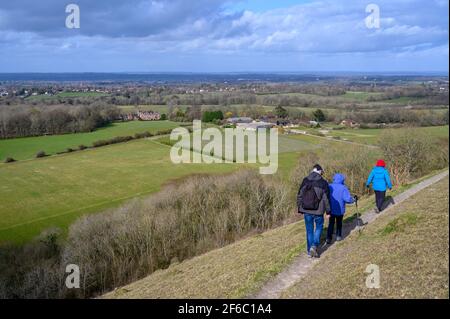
x,y
310,200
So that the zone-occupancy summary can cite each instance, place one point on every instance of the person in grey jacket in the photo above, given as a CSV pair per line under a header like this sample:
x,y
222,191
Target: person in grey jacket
x,y
313,201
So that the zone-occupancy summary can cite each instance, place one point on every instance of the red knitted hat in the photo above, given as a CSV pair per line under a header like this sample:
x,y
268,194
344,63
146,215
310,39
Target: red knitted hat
x,y
381,163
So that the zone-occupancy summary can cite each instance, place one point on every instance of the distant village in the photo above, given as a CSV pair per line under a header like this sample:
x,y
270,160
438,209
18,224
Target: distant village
x,y
30,88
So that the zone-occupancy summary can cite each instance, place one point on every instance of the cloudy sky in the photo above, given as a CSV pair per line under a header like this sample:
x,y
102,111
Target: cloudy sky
x,y
224,36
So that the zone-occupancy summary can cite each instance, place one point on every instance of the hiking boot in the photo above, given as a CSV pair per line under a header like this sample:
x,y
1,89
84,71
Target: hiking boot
x,y
338,238
376,210
329,241
313,251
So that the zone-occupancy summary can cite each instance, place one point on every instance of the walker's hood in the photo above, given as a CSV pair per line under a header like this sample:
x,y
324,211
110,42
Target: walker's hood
x,y
338,179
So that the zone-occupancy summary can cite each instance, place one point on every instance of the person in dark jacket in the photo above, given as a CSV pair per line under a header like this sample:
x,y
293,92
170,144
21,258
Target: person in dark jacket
x,y
313,200
339,197
380,180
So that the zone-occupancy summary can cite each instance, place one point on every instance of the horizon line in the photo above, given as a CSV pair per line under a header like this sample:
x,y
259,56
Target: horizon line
x,y
237,72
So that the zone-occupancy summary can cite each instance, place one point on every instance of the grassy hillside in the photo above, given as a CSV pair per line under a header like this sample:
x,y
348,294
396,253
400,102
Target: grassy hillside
x,y
410,244
27,147
230,272
240,269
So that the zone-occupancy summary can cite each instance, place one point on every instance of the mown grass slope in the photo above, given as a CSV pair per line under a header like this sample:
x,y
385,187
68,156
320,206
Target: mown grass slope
x,y
410,244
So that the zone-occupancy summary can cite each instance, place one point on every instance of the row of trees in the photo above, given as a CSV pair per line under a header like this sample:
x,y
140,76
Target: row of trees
x,y
212,116
398,116
33,121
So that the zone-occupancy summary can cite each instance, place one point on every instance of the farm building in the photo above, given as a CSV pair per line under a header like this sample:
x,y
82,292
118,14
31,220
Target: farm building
x,y
253,126
143,116
349,123
236,120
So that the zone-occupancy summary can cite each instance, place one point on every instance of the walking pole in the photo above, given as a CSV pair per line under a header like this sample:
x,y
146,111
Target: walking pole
x,y
358,226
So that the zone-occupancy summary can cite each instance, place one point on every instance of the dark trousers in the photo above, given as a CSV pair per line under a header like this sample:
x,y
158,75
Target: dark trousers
x,y
379,199
334,219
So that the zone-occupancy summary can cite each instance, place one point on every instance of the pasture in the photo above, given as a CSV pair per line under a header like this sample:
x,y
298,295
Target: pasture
x,y
371,136
27,147
66,95
54,191
38,194
286,144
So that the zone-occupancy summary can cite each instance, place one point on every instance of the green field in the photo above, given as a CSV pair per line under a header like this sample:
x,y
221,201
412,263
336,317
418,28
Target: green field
x,y
37,194
54,191
81,94
27,147
66,95
155,108
360,96
286,144
371,136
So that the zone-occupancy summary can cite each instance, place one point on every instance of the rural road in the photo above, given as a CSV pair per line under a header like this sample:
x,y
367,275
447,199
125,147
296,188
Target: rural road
x,y
302,264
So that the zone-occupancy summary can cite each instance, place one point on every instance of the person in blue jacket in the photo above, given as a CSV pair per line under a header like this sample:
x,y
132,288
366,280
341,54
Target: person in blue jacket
x,y
339,197
380,180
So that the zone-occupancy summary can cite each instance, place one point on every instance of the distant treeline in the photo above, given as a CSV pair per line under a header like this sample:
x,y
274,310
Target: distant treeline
x,y
398,116
21,121
311,96
304,95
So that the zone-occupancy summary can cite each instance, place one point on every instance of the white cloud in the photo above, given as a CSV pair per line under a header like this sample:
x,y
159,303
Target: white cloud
x,y
175,28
